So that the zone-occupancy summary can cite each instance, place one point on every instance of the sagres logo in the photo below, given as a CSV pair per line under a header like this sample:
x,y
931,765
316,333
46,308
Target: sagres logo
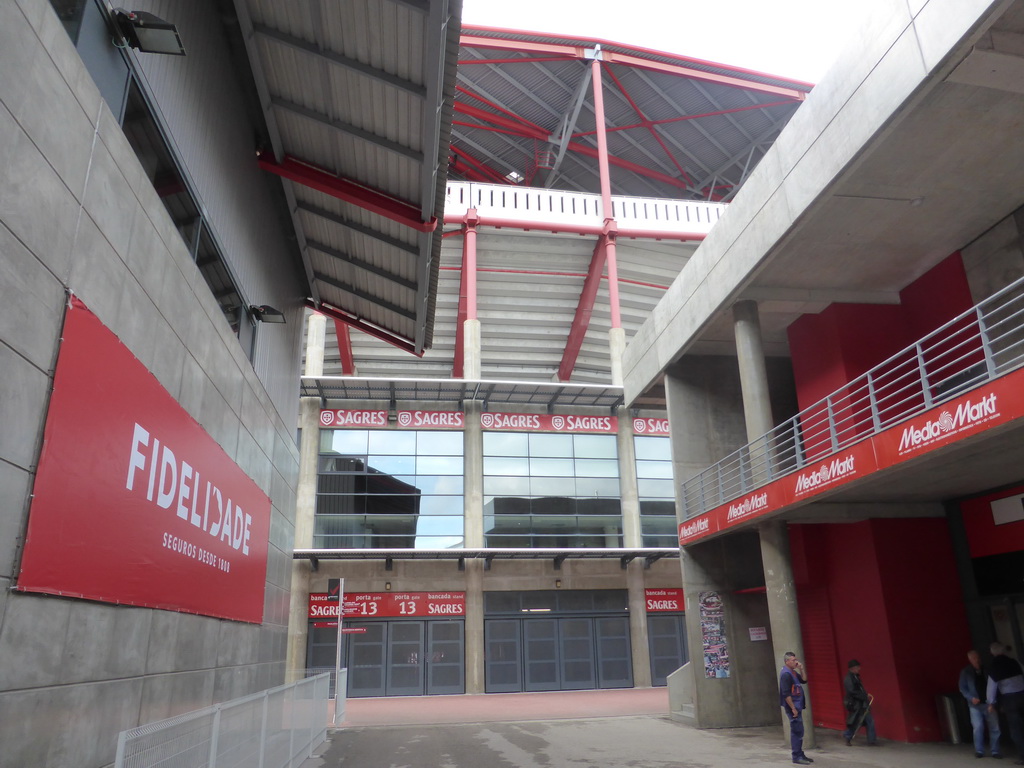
x,y
835,470
748,506
692,529
967,413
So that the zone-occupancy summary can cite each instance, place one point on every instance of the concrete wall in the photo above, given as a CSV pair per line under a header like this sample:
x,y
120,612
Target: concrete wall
x,y
996,258
76,213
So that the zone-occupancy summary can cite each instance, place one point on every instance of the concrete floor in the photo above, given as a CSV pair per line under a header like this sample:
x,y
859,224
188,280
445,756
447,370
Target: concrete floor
x,y
627,729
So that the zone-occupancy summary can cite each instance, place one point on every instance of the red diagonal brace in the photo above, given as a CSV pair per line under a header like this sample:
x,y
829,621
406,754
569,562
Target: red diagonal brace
x,y
584,309
348,363
350,191
377,332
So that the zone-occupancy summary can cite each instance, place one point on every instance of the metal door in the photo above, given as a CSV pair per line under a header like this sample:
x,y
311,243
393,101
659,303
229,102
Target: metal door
x,y
576,645
540,655
366,658
666,639
405,659
445,657
503,669
614,657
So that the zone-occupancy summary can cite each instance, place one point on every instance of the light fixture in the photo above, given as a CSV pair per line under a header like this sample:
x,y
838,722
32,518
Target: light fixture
x,y
387,586
148,33
558,583
267,314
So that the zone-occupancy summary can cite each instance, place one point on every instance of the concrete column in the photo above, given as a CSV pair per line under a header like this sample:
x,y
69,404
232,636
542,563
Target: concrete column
x,y
757,407
305,501
635,583
616,346
782,607
628,493
471,350
475,626
473,477
778,570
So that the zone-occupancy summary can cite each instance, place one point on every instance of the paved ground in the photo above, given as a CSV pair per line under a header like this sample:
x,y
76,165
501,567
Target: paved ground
x,y
606,729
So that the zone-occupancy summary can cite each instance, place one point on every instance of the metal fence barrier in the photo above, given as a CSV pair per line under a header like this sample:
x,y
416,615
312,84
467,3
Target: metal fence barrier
x,y
980,345
277,728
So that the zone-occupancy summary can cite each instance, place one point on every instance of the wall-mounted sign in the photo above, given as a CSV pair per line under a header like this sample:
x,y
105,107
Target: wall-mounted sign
x,y
134,503
536,422
341,418
642,426
385,605
661,600
758,633
997,402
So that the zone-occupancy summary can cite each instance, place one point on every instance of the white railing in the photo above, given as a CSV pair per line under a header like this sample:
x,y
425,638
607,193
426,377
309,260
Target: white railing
x,y
277,728
551,206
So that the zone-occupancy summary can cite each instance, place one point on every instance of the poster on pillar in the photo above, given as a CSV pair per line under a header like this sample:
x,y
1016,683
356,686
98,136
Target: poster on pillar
x,y
712,635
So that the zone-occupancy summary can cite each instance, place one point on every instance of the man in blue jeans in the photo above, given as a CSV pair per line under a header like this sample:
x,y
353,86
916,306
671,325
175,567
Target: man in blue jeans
x,y
973,686
791,697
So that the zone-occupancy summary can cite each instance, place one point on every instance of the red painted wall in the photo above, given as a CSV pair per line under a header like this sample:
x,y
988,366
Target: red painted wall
x,y
984,537
895,604
833,347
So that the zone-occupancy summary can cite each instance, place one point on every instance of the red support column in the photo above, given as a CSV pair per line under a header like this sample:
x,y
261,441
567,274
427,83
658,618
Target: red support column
x,y
467,293
348,363
606,195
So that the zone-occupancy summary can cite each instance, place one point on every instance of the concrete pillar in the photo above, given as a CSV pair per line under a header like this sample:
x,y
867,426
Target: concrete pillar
x,y
636,585
475,626
616,346
305,502
471,350
473,477
757,407
778,570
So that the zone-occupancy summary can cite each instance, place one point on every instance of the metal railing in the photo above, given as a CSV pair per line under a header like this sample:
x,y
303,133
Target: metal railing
x,y
980,345
559,207
277,728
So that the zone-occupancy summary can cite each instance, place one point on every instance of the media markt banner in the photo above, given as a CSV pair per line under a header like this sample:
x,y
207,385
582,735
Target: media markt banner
x,y
134,503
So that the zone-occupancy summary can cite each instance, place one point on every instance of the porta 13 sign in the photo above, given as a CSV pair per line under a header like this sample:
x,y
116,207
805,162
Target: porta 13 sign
x,y
134,503
389,605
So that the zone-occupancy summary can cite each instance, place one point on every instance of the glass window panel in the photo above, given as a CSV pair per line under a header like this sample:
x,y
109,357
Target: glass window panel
x,y
393,442
440,443
665,526
654,448
597,468
506,444
438,465
599,507
332,463
551,467
552,486
502,602
350,441
597,486
656,489
440,525
654,469
505,465
507,524
550,445
595,446
554,524
538,600
451,484
610,600
507,486
553,506
658,508
393,465
441,505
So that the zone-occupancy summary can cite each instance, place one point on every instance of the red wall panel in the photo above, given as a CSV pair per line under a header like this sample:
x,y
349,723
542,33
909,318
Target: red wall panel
x,y
901,616
984,537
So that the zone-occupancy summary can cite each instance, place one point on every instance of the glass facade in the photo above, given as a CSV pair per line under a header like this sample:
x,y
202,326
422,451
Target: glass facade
x,y
389,489
551,490
656,490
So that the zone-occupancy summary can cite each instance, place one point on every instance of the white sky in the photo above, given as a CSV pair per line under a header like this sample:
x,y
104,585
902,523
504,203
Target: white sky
x,y
792,38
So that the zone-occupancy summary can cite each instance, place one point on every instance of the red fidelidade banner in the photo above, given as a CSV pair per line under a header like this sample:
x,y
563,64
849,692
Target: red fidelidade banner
x,y
534,422
134,503
378,419
993,404
387,605
664,600
644,426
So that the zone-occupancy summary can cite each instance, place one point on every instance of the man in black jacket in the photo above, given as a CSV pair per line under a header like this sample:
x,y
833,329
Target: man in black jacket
x,y
1006,688
858,706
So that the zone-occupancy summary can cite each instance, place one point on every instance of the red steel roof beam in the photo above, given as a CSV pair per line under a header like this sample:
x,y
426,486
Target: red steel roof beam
x,y
584,310
348,363
366,327
348,190
606,195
